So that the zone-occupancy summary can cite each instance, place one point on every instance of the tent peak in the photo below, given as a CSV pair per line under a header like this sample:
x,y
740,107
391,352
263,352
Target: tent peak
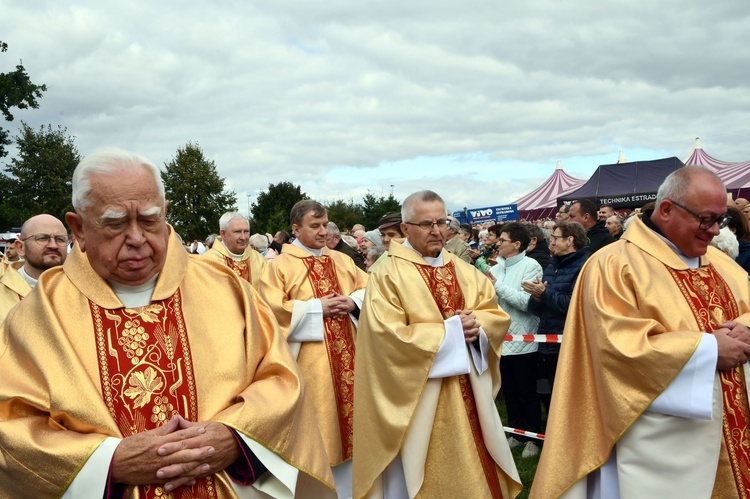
x,y
558,166
697,144
621,158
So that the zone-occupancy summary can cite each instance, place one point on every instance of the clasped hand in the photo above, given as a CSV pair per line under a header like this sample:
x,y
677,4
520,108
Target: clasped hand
x,y
335,305
470,325
733,341
175,454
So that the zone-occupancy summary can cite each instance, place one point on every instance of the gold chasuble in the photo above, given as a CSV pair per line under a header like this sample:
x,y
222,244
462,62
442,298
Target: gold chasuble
x,y
449,298
13,289
637,315
78,367
249,268
327,366
712,303
147,374
446,430
339,342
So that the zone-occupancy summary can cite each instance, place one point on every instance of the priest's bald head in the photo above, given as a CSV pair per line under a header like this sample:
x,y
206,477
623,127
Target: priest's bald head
x,y
120,215
691,209
42,245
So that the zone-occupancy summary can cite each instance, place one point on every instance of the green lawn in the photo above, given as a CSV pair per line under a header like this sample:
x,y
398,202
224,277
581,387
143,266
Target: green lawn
x,y
526,466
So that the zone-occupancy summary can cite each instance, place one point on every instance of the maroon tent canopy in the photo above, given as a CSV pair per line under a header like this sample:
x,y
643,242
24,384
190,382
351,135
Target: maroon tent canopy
x,y
542,201
736,176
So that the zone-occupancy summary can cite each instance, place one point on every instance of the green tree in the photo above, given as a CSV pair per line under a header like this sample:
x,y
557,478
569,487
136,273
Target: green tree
x,y
373,208
344,214
271,210
39,179
16,90
196,194
10,215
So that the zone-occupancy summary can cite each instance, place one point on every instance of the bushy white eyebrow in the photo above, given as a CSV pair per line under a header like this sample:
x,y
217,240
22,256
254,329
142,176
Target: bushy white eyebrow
x,y
112,214
150,212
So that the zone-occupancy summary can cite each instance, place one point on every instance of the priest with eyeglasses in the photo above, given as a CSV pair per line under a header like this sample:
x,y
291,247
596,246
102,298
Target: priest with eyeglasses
x,y
427,370
41,247
651,396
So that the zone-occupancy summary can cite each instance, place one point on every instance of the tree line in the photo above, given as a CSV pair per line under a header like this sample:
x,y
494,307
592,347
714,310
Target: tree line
x,y
38,179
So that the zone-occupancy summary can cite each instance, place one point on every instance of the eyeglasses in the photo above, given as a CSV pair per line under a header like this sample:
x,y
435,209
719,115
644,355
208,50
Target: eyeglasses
x,y
504,240
705,223
45,239
558,237
427,225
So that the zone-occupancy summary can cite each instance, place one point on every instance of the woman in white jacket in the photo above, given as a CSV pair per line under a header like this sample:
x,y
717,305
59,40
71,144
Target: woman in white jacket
x,y
518,365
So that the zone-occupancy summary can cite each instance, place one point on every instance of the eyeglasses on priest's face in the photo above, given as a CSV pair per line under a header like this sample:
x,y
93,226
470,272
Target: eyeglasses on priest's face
x,y
46,238
441,223
704,223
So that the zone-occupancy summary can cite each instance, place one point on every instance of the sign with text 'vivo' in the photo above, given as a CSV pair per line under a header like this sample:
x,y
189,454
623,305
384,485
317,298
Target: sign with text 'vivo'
x,y
496,213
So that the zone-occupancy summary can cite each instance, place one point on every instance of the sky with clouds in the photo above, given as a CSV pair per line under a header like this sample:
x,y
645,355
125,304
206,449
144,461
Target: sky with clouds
x,y
476,100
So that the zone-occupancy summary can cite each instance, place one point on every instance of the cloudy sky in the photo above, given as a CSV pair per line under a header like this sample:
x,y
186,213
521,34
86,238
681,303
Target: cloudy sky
x,y
476,100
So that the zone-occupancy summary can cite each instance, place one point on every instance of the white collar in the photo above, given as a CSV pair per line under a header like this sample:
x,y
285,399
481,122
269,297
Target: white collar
x,y
134,296
312,251
234,256
436,261
692,263
29,279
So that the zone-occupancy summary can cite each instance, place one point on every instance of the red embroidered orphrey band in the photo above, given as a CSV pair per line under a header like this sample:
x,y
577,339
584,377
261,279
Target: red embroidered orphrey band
x,y
449,297
339,339
146,374
712,304
241,268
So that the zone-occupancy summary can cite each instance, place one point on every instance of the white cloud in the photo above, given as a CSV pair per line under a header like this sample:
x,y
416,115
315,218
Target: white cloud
x,y
345,97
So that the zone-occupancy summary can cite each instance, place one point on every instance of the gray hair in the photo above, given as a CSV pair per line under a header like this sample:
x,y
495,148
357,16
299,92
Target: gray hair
x,y
334,230
351,241
727,242
259,242
375,252
618,219
677,184
211,239
109,161
407,209
228,217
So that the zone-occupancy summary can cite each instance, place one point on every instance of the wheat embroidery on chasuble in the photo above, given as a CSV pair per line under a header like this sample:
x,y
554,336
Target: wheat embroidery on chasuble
x,y
241,268
712,304
446,290
339,341
146,373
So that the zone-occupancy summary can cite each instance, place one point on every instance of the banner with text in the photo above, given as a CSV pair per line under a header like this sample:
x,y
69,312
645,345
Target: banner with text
x,y
496,213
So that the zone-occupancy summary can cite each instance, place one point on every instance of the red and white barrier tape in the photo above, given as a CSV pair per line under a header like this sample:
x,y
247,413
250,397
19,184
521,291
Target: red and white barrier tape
x,y
525,433
534,338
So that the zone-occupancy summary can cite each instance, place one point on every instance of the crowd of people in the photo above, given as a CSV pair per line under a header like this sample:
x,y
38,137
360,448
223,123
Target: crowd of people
x,y
347,362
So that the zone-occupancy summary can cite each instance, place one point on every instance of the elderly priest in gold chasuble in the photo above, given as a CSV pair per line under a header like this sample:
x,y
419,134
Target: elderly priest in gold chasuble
x,y
233,249
316,295
137,371
428,358
650,398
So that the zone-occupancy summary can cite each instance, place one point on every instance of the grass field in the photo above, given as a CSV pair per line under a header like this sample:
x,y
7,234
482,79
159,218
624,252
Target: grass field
x,y
526,466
